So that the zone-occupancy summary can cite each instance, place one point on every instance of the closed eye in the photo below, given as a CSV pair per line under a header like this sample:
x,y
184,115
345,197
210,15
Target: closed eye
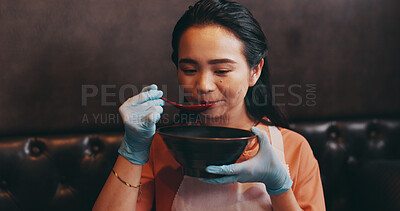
x,y
188,71
222,71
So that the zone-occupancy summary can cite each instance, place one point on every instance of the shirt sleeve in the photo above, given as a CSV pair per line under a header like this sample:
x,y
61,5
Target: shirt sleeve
x,y
307,184
146,194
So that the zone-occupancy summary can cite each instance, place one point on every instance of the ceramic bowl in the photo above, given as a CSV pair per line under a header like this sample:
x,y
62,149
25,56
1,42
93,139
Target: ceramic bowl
x,y
196,147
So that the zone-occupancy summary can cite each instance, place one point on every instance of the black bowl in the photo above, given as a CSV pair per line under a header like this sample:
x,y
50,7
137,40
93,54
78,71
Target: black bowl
x,y
196,147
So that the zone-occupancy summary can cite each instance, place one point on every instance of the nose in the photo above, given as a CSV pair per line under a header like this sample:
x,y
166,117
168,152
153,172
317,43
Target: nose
x,y
205,83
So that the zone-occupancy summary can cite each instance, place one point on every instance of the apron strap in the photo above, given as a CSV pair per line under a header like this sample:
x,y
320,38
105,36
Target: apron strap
x,y
277,145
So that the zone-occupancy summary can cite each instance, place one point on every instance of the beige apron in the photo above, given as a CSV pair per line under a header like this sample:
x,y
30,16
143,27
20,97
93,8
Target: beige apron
x,y
194,194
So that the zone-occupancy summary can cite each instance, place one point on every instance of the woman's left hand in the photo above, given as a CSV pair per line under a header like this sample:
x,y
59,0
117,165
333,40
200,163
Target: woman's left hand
x,y
265,167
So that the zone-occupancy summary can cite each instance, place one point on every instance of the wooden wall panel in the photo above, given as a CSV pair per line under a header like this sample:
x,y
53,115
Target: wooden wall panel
x,y
328,59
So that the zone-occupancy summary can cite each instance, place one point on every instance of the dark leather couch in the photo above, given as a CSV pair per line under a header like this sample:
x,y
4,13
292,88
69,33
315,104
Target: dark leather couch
x,y
359,161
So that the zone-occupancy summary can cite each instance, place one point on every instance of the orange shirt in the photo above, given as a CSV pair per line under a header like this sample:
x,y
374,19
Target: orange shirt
x,y
162,175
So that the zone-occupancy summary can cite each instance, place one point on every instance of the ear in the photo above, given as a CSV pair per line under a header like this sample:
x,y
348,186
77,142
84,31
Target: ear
x,y
255,73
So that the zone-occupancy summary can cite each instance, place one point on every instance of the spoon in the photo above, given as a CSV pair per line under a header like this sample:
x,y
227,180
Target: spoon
x,y
196,108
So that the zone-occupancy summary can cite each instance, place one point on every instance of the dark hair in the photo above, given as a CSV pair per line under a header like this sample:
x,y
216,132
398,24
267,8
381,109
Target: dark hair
x,y
238,20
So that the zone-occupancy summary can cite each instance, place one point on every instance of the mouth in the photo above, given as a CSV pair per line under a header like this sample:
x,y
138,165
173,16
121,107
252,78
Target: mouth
x,y
209,102
204,102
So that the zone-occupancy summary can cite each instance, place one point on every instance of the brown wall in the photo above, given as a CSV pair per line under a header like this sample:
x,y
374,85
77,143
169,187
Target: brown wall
x,y
347,51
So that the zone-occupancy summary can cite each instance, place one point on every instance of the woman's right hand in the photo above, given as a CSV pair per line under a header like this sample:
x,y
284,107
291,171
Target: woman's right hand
x,y
140,114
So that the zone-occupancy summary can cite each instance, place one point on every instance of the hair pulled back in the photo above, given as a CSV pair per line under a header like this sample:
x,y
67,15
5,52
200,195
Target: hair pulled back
x,y
238,20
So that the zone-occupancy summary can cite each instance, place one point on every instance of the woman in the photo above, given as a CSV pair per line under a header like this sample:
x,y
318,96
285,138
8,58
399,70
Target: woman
x,y
219,50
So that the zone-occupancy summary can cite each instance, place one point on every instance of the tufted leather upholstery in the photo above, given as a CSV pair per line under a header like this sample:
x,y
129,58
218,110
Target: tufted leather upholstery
x,y
359,161
55,173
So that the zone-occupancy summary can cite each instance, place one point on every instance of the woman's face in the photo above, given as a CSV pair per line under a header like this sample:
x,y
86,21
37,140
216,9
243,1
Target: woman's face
x,y
213,69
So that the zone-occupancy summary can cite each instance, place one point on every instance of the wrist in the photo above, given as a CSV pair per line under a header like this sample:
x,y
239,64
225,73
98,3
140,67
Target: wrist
x,y
287,184
285,201
133,156
130,173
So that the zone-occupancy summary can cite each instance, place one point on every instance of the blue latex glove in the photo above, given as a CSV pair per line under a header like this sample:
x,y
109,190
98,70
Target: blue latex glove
x,y
265,167
140,114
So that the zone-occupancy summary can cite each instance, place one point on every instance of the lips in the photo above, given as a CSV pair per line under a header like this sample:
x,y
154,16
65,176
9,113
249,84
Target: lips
x,y
203,101
209,102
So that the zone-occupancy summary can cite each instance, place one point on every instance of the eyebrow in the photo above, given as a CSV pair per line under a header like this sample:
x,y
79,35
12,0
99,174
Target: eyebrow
x,y
214,61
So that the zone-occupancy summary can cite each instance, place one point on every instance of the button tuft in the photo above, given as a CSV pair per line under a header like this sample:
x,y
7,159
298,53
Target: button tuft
x,y
34,147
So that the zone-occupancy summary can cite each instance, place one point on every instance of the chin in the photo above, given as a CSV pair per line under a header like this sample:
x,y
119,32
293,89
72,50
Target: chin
x,y
213,117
